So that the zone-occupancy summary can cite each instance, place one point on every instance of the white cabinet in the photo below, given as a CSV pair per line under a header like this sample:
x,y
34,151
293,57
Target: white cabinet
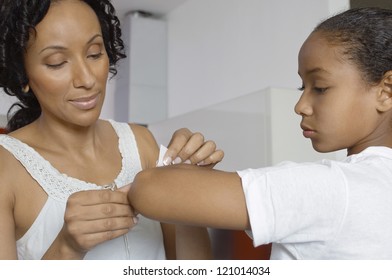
x,y
141,83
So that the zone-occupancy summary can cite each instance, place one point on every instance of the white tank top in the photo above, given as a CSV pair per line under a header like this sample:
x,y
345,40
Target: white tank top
x,y
144,241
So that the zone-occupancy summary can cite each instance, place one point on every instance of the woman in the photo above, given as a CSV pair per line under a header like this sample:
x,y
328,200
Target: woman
x,y
60,165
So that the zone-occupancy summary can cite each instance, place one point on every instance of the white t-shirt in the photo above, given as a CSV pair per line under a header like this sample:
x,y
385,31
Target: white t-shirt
x,y
323,210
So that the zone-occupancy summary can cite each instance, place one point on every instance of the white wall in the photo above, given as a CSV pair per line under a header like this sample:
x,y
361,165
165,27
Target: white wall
x,y
255,130
221,49
141,87
5,103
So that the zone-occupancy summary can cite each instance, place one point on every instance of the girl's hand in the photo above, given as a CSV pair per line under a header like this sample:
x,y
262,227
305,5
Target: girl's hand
x,y
188,147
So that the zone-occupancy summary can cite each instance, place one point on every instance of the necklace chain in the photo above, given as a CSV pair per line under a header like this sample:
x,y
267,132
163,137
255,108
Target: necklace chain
x,y
114,187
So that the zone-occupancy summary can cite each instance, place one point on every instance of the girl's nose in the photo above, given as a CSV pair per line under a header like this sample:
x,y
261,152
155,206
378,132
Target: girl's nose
x,y
303,106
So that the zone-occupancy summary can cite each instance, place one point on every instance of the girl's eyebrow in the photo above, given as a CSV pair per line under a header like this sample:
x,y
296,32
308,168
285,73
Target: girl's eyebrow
x,y
59,47
315,70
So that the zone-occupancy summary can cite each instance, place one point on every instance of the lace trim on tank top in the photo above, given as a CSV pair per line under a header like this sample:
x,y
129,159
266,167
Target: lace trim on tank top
x,y
60,186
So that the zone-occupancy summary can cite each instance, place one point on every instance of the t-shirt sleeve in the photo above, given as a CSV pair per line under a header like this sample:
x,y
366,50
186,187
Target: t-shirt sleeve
x,y
295,202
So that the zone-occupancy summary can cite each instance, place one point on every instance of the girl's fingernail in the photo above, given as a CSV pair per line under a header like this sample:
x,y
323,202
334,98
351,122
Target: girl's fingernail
x,y
188,161
177,160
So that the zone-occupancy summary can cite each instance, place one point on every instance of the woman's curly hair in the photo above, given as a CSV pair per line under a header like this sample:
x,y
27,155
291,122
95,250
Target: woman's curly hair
x,y
18,19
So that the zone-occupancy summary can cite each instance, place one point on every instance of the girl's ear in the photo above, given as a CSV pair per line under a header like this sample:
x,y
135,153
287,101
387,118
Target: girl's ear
x,y
384,97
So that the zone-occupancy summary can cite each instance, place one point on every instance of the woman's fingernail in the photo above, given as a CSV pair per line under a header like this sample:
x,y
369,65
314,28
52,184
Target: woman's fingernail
x,y
135,220
201,163
188,161
177,160
167,161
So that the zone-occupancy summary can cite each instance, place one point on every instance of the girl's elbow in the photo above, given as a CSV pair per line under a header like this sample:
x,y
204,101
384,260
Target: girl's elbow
x,y
142,194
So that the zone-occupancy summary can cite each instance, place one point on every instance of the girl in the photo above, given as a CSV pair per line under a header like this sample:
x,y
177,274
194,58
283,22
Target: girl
x,y
321,210
59,158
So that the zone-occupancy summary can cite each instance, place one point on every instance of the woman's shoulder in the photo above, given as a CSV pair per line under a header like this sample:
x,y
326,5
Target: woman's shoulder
x,y
10,168
145,141
147,145
141,131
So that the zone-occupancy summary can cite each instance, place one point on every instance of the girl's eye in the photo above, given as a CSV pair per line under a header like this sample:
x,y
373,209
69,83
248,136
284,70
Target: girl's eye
x,y
320,90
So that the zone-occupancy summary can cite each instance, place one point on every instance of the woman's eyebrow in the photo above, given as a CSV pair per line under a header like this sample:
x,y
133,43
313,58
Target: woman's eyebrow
x,y
59,47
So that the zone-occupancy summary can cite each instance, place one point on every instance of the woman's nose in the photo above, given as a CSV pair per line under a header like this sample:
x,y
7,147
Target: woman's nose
x,y
83,75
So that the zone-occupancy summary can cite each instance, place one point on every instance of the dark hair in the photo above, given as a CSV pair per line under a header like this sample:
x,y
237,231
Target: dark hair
x,y
18,19
366,37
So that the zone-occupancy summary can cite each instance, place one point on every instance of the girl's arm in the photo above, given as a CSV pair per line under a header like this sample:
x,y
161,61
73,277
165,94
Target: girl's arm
x,y
187,194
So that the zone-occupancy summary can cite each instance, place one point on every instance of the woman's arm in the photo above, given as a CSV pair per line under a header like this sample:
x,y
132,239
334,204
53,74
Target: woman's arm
x,y
186,242
187,194
185,146
7,226
181,242
193,243
191,147
7,220
91,217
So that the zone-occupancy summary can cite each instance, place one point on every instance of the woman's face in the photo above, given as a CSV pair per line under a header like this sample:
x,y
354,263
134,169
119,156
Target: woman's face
x,y
338,108
67,64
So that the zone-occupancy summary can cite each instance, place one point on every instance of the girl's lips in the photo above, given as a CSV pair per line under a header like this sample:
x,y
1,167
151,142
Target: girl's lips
x,y
308,133
85,103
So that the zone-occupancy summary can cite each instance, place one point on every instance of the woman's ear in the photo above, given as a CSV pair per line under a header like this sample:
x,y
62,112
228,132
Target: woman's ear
x,y
26,88
384,98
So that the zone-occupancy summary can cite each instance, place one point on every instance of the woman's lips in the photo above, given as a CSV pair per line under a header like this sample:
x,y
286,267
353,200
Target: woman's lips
x,y
85,103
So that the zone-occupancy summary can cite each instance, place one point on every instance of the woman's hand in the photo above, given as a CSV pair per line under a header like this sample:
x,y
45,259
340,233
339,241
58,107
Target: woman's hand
x,y
95,216
188,147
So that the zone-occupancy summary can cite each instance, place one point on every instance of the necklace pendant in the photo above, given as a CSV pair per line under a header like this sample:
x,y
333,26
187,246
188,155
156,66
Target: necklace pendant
x,y
111,187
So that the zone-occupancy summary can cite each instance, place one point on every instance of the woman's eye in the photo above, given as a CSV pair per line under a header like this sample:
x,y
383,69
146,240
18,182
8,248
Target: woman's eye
x,y
96,56
301,88
56,65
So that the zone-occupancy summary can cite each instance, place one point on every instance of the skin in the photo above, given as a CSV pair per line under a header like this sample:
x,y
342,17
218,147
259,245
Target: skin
x,y
339,111
67,72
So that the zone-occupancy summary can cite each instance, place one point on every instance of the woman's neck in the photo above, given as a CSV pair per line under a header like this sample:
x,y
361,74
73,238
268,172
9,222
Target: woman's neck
x,y
61,137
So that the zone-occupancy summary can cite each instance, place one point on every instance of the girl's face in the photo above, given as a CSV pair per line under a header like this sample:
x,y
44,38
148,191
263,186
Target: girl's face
x,y
337,106
67,64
